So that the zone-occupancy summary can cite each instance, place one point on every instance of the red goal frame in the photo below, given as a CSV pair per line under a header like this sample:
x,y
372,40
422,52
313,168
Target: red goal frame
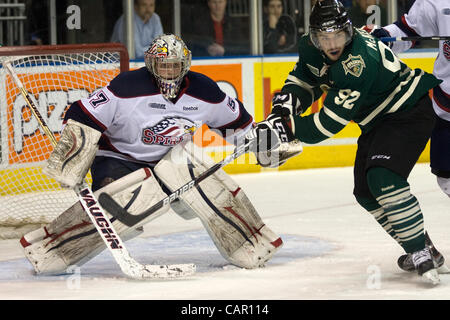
x,y
71,48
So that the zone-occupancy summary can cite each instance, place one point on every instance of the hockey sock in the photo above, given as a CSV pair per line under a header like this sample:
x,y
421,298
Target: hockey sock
x,y
402,209
377,211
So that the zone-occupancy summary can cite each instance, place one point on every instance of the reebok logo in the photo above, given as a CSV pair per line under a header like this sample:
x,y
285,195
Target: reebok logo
x,y
190,108
388,188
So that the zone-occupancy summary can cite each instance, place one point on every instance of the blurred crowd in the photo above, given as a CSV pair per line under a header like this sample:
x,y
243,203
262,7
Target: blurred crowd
x,y
209,27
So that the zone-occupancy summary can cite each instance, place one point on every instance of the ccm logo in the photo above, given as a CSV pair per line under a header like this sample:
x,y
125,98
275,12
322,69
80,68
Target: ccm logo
x,y
282,131
381,156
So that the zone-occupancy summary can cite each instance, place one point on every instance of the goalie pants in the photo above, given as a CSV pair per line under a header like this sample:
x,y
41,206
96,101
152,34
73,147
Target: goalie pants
x,y
384,159
105,170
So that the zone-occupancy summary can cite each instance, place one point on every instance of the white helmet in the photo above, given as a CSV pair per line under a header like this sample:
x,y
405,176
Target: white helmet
x,y
168,59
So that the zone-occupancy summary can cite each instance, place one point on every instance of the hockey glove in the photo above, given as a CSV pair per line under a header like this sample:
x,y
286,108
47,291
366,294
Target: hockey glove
x,y
286,104
378,32
273,141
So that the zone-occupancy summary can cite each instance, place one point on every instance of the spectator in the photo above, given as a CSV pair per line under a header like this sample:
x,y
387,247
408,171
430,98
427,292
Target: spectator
x,y
359,16
37,28
280,34
216,34
347,3
403,7
147,26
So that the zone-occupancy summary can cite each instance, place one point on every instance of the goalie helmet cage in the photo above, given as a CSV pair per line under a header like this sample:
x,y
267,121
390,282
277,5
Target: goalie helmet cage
x,y
55,77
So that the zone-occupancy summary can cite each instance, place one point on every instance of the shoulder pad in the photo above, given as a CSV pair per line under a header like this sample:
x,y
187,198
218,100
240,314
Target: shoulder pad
x,y
133,84
204,88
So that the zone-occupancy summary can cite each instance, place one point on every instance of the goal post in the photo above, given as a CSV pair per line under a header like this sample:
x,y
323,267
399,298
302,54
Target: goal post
x,y
54,77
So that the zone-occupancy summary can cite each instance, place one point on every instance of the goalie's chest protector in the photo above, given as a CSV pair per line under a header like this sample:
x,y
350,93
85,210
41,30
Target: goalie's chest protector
x,y
139,124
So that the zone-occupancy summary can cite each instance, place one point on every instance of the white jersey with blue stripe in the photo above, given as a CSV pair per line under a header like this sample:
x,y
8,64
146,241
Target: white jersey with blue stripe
x,y
139,124
429,18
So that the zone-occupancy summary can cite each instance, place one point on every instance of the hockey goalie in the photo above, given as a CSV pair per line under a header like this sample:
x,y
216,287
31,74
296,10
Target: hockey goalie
x,y
134,136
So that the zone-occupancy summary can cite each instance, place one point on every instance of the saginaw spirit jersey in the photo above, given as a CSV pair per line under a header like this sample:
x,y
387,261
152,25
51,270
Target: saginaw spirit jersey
x,y
365,84
429,18
139,125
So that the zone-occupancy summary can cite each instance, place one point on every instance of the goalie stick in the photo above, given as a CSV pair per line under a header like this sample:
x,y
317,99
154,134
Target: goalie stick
x,y
113,242
130,219
392,39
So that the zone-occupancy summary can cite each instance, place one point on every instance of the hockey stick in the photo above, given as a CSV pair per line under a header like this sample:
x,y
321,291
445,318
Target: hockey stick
x,y
392,39
99,219
130,219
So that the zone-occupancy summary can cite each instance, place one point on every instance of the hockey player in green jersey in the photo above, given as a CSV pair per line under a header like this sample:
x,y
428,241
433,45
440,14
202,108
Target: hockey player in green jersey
x,y
365,82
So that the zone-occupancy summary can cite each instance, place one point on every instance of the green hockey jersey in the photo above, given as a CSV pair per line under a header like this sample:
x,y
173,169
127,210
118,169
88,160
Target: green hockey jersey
x,y
367,83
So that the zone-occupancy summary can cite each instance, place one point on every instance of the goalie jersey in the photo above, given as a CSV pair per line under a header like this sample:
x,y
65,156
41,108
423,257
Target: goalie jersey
x,y
367,83
139,125
429,18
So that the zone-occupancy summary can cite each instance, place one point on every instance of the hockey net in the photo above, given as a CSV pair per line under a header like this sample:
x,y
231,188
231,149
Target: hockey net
x,y
55,77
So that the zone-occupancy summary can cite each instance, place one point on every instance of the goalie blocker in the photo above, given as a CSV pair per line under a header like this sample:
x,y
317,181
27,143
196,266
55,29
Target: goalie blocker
x,y
73,155
223,208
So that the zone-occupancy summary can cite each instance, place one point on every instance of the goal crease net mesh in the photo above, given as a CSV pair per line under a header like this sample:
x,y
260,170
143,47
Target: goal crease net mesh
x,y
55,77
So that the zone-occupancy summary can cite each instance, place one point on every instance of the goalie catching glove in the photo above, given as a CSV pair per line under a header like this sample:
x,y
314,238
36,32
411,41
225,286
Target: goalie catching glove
x,y
273,140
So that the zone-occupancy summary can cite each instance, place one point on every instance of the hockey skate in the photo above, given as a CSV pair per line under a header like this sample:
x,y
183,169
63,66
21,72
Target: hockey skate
x,y
405,261
424,265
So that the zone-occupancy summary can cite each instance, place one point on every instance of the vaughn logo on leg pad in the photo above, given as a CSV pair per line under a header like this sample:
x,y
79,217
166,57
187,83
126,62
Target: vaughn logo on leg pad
x,y
100,219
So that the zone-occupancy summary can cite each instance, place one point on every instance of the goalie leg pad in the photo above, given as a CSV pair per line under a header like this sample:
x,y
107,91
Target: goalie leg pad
x,y
71,239
183,210
222,206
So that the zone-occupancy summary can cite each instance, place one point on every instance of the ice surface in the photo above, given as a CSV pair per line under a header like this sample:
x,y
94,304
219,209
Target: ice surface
x,y
332,249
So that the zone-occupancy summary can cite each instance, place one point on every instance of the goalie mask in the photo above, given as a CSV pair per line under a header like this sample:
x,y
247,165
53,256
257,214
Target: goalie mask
x,y
168,59
330,26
